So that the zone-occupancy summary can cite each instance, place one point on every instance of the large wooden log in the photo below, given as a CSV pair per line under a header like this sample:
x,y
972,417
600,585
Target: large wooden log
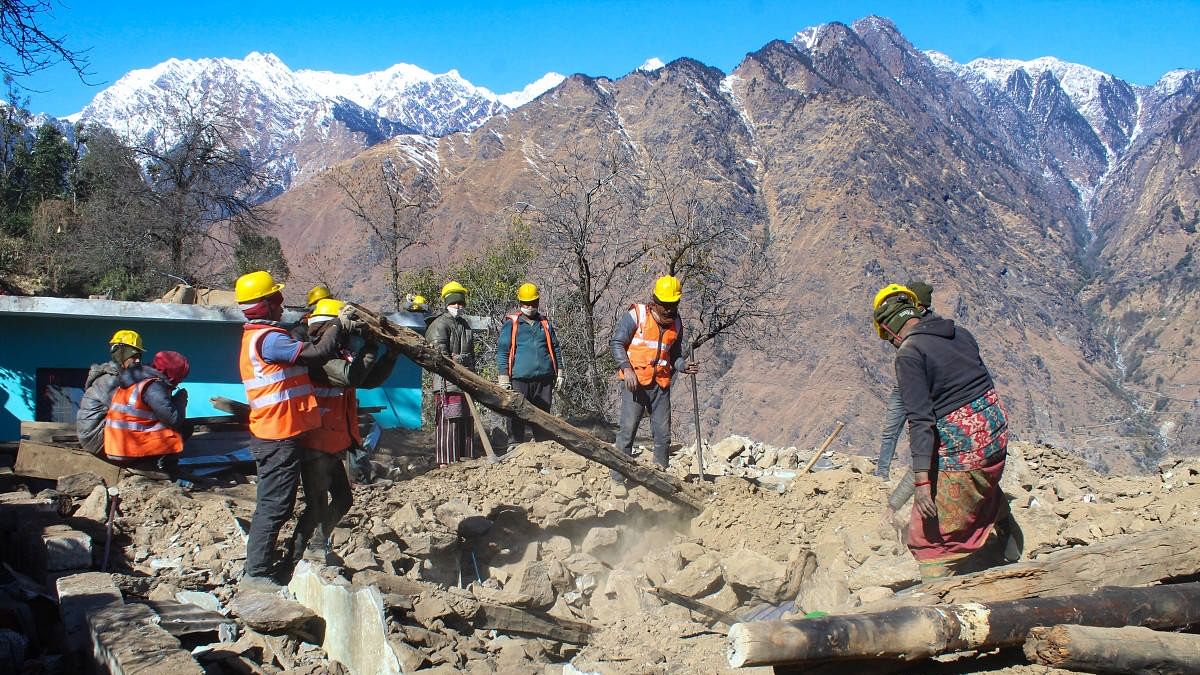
x,y
1125,560
1113,650
506,402
911,633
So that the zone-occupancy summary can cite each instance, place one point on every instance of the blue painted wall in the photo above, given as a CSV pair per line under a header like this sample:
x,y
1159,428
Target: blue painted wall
x,y
33,342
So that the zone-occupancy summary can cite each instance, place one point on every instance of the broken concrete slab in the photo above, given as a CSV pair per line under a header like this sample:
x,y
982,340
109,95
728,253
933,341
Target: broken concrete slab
x,y
127,641
62,548
701,577
39,460
80,595
763,577
533,579
355,632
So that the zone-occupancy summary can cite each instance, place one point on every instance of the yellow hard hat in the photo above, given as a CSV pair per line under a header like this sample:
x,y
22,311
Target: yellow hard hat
x,y
885,293
528,293
668,289
453,287
417,303
127,337
318,292
328,307
255,286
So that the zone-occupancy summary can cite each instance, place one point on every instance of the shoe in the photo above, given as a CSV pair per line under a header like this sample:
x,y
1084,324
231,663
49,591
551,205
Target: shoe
x,y
257,584
319,555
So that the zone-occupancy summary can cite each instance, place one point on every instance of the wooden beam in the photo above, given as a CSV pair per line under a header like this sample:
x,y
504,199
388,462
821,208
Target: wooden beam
x,y
40,460
1125,560
510,403
911,633
1113,650
513,620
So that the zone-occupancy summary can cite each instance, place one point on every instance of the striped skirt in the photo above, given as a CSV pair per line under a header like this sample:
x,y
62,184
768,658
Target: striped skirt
x,y
454,427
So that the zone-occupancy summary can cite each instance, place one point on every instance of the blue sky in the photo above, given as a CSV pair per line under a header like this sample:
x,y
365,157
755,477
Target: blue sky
x,y
504,45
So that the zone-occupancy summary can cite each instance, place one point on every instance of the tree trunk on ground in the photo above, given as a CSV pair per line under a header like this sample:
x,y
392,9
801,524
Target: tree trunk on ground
x,y
912,633
1126,560
511,403
1113,650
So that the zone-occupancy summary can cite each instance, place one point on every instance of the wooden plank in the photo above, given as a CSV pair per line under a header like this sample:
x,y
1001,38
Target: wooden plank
x,y
506,402
911,633
1113,650
40,460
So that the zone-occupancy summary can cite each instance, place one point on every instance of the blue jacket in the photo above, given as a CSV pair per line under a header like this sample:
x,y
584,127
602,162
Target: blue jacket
x,y
531,359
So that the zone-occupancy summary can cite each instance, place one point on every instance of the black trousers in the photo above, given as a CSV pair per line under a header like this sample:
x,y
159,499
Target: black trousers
x,y
540,393
327,499
278,477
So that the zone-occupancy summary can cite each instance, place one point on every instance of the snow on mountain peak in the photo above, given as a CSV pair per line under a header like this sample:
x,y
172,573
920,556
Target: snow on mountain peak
x,y
534,89
651,64
809,37
1172,80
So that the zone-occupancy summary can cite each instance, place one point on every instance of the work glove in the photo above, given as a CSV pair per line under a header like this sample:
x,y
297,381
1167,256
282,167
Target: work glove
x,y
349,320
558,383
691,368
630,378
504,381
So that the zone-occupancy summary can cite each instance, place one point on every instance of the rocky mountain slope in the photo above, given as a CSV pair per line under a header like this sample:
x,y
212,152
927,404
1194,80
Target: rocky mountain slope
x,y
1020,190
298,122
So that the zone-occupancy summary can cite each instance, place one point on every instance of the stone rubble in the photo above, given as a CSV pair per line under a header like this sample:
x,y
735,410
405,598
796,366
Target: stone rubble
x,y
551,540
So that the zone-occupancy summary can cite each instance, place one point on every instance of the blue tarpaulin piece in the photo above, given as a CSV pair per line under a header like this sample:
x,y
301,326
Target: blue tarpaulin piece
x,y
238,456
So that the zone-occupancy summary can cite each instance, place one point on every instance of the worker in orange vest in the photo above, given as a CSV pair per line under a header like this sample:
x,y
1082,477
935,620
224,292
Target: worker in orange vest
x,y
283,406
647,345
144,427
528,359
327,495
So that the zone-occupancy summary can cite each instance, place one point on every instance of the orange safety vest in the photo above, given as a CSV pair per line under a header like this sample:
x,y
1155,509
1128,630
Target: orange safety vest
x,y
650,349
132,430
339,421
281,398
512,341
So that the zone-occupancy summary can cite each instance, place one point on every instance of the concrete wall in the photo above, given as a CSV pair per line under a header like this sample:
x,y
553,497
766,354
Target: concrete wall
x,y
32,342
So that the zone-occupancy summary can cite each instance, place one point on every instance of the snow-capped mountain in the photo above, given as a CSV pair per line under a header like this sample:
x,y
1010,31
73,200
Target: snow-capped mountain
x,y
298,122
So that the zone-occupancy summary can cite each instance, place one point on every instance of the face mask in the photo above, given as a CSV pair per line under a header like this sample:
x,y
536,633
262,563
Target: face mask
x,y
454,310
529,311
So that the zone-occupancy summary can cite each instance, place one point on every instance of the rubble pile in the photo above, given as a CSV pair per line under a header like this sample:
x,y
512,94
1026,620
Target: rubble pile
x,y
542,563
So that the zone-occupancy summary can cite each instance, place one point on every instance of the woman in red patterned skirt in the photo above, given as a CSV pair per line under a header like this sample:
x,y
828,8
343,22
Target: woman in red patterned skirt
x,y
958,436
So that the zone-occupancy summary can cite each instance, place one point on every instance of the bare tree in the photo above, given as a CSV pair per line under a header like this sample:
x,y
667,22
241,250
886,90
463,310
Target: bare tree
x,y
587,225
717,241
33,47
203,185
394,208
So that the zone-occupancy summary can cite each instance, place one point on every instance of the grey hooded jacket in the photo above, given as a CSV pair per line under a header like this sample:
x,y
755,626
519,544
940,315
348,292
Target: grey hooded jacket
x,y
93,407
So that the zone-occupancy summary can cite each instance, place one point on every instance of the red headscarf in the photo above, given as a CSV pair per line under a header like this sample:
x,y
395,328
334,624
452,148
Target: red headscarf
x,y
261,310
173,365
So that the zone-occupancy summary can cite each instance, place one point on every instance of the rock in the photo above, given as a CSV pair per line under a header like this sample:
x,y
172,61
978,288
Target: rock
x,y
769,458
424,544
459,516
556,546
405,519
79,485
533,579
429,608
1065,490
362,559
95,507
860,464
272,614
569,488
731,447
582,563
701,577
872,594
201,599
761,576
689,550
600,540
725,599
62,548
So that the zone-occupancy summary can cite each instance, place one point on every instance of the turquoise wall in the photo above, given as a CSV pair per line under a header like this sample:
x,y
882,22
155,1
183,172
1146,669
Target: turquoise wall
x,y
33,342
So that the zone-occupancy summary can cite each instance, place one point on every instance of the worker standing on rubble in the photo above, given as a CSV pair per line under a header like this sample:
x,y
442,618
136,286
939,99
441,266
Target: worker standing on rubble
x,y
528,358
647,345
124,349
958,436
145,425
274,370
893,417
327,495
451,335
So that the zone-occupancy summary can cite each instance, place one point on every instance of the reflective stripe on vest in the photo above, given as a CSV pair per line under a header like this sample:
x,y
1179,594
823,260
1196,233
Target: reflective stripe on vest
x,y
649,349
512,342
132,430
281,398
339,421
